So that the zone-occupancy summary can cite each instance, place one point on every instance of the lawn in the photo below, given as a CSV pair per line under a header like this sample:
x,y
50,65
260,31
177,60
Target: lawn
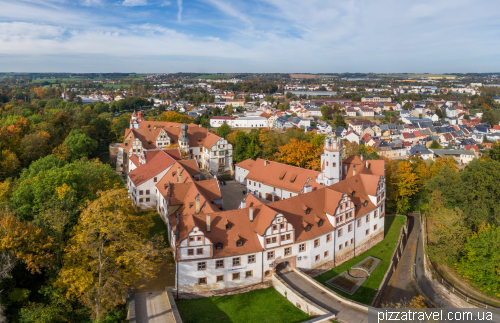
x,y
383,250
262,305
160,228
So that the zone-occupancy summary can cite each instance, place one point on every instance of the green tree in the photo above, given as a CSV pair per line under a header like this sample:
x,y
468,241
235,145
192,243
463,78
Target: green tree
x,y
408,105
79,145
325,112
108,252
490,118
482,256
435,145
339,121
229,110
224,130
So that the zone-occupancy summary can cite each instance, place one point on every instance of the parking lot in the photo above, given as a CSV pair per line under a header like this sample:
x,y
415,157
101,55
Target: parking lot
x,y
232,194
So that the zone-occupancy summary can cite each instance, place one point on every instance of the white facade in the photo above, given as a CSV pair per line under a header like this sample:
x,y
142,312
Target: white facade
x,y
244,122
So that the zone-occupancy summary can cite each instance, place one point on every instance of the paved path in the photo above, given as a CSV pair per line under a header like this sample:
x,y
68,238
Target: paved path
x,y
344,312
153,308
419,270
400,285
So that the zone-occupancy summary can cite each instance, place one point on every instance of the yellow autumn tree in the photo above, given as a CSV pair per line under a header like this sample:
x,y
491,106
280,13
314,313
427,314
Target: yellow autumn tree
x,y
108,252
449,162
184,154
299,153
23,241
405,184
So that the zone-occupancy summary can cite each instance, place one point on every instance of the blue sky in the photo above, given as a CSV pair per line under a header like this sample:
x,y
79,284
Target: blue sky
x,y
316,36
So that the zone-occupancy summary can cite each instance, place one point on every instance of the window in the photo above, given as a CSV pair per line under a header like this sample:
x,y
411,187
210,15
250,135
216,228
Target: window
x,y
236,261
236,276
334,164
202,281
367,231
268,240
282,226
325,254
349,228
352,240
259,185
248,273
249,182
198,238
218,246
270,255
340,246
274,239
267,273
288,236
316,243
288,251
346,243
239,243
219,264
190,252
368,218
191,239
326,163
251,259
302,247
329,237
275,227
339,232
140,192
141,200
359,223
316,258
220,279
156,179
202,265
374,227
228,226
290,194
147,192
147,199
199,251
254,184
274,189
375,214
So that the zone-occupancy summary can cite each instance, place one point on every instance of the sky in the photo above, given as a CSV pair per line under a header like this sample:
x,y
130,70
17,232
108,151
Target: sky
x,y
253,36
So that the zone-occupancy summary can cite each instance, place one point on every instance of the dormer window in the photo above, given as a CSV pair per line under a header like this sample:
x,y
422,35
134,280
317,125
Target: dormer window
x,y
218,246
228,226
239,243
320,223
307,228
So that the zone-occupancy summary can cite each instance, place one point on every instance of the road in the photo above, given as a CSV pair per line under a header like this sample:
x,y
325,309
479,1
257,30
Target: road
x,y
344,312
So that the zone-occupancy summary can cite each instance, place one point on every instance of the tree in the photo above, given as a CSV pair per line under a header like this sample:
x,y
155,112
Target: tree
x,y
408,105
339,121
79,145
406,185
268,143
299,153
172,116
9,164
490,118
325,112
34,146
368,152
184,153
449,231
224,130
494,152
435,145
482,256
229,110
108,252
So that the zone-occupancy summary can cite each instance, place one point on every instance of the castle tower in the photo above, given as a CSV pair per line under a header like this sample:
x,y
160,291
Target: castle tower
x,y
331,162
184,140
133,121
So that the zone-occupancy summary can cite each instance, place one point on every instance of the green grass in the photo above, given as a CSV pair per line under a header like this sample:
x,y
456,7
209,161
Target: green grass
x,y
54,80
383,250
159,228
116,86
262,306
212,76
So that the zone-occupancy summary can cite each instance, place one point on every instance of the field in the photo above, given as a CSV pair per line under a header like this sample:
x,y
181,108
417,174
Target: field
x,y
116,86
54,80
262,305
213,76
310,76
383,250
431,75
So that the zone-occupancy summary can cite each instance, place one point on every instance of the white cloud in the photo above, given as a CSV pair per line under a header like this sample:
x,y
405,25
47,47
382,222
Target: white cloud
x,y
165,3
229,10
134,3
179,13
91,3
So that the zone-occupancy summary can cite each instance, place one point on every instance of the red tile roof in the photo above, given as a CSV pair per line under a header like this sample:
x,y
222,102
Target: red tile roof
x,y
160,162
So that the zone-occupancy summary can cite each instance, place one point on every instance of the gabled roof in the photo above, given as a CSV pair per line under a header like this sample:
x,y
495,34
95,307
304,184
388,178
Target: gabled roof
x,y
160,162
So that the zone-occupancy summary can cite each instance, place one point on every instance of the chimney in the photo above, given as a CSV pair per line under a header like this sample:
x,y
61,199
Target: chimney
x,y
243,204
179,176
367,165
307,189
250,213
265,163
345,169
353,172
197,199
208,223
362,158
